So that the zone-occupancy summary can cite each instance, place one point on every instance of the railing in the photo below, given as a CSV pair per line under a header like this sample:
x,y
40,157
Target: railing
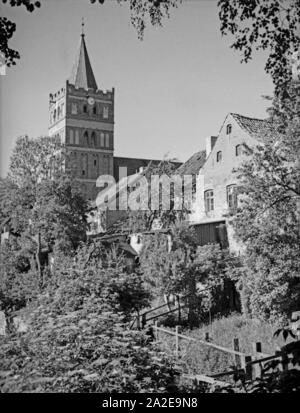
x,y
251,365
141,320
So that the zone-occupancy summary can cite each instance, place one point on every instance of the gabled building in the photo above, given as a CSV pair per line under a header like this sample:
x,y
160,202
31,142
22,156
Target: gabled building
x,y
224,153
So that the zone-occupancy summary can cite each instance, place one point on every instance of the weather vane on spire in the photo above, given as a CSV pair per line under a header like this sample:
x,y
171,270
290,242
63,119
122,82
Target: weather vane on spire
x,y
82,26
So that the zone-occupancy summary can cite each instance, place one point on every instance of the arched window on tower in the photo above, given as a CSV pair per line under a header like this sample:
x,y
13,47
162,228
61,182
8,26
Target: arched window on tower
x,y
71,137
76,137
74,109
54,115
93,139
107,140
86,138
105,112
102,139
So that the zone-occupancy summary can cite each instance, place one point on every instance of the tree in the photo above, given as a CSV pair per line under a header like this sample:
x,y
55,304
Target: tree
x,y
272,25
34,160
179,269
19,284
42,195
78,341
8,28
45,211
267,221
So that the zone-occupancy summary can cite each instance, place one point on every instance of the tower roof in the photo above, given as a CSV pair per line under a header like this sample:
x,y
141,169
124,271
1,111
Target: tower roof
x,y
82,75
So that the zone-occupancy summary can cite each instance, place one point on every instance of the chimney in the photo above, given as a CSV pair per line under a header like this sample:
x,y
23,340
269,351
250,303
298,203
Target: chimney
x,y
210,143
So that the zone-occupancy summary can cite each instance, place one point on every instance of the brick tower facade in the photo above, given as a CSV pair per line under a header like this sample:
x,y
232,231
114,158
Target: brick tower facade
x,y
83,117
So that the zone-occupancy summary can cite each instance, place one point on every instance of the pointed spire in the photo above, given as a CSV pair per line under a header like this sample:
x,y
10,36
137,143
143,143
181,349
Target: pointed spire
x,y
82,75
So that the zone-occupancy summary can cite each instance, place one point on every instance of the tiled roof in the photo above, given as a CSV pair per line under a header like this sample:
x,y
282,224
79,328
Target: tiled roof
x,y
82,75
193,165
257,128
134,164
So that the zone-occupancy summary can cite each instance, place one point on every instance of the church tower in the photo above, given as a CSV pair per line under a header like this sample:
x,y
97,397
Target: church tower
x,y
83,117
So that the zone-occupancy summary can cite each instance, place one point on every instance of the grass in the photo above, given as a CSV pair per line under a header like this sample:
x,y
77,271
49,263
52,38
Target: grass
x,y
201,359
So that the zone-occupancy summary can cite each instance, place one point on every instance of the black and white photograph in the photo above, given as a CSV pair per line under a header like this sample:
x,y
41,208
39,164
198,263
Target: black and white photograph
x,y
149,200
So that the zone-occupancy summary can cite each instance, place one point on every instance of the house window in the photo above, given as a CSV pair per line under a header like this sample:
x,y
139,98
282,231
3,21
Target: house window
x,y
95,162
107,140
231,196
238,150
228,129
95,110
83,172
84,109
102,139
209,200
105,112
74,109
71,136
219,156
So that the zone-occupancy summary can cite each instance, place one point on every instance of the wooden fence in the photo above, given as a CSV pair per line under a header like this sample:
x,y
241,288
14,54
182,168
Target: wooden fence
x,y
251,365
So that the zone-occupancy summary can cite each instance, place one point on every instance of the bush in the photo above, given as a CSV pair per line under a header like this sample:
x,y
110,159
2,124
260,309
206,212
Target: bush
x,y
78,341
200,359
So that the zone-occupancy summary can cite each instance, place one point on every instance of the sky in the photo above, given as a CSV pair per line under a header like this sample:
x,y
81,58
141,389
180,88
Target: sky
x,y
172,90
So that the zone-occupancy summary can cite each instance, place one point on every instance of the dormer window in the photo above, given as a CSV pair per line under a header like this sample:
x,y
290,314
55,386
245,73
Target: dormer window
x,y
219,156
238,150
228,129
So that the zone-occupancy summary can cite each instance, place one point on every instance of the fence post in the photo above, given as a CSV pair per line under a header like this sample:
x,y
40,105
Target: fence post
x,y
176,341
156,330
236,347
247,367
179,309
257,367
144,321
138,324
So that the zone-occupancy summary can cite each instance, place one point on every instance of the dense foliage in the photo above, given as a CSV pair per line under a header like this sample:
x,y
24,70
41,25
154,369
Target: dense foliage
x,y
78,341
267,220
271,25
180,267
